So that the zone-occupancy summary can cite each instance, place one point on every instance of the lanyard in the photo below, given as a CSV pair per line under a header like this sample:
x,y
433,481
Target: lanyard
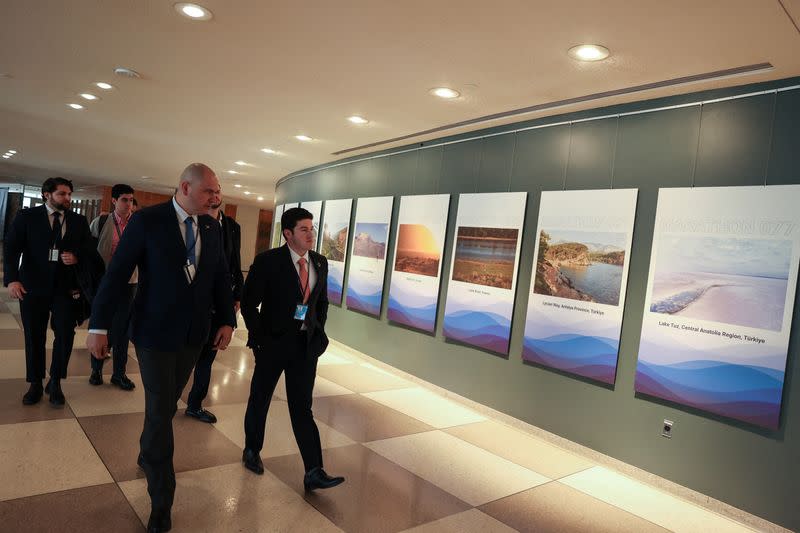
x,y
116,226
299,281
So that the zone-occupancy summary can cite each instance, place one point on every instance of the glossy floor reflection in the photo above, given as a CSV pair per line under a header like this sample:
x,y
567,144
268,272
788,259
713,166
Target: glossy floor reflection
x,y
414,460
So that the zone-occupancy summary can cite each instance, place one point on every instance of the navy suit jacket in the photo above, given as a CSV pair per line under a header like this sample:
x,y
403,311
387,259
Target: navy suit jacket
x,y
169,313
30,236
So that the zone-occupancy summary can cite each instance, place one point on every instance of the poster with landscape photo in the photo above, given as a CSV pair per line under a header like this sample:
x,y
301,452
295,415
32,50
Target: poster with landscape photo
x,y
419,244
333,245
368,254
579,278
275,241
720,297
483,274
315,208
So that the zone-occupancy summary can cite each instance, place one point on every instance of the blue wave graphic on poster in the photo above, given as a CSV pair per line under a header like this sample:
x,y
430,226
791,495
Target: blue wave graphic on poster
x,y
423,318
334,288
486,330
366,303
584,355
750,393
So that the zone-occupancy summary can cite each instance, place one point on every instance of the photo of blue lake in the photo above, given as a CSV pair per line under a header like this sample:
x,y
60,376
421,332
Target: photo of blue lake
x,y
600,280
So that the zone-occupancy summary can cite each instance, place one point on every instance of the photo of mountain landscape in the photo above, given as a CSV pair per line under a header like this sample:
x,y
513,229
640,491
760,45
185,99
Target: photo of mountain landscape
x,y
334,240
370,240
485,256
580,265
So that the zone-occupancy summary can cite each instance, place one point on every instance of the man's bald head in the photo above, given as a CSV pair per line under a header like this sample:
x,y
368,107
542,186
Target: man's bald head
x,y
198,189
194,172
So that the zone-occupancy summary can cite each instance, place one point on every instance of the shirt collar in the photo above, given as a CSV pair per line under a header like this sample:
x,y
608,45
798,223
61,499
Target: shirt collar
x,y
295,256
120,220
50,210
181,213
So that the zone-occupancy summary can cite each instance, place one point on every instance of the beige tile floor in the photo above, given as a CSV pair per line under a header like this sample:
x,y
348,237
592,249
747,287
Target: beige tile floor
x,y
414,461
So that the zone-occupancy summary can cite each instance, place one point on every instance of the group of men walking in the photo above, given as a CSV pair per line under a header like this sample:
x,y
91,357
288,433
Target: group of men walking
x,y
169,279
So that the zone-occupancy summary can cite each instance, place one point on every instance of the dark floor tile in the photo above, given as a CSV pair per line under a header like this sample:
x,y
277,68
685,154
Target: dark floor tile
x,y
559,508
226,386
197,444
97,508
12,339
12,411
365,420
378,495
80,364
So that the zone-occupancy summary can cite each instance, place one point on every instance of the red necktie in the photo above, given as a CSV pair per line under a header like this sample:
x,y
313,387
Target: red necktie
x,y
304,279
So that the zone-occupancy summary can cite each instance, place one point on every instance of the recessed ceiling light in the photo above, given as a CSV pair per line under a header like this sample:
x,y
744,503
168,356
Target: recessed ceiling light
x,y
6,156
589,52
238,185
232,172
127,72
355,119
304,138
105,86
445,92
260,198
193,11
12,151
240,163
247,193
146,177
75,106
88,96
268,151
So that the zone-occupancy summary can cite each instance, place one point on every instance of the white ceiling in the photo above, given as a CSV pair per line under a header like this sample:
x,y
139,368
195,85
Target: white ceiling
x,y
261,72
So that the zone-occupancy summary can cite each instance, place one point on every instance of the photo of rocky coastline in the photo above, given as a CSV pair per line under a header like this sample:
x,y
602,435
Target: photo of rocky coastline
x,y
580,265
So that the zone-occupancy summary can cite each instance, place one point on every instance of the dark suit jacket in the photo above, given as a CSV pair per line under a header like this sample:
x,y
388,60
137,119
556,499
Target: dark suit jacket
x,y
272,282
232,234
168,312
30,236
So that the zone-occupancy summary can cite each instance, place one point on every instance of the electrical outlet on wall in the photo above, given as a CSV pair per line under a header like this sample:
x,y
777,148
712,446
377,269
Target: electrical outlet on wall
x,y
666,429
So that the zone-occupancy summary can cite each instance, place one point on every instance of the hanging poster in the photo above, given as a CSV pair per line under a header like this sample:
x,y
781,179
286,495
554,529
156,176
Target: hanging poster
x,y
368,255
483,274
720,296
315,208
276,227
419,244
580,273
281,241
335,228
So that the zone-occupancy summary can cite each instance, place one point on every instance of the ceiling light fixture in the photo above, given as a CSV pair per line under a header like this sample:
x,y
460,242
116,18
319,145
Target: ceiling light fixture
x,y
240,163
89,96
237,185
75,106
12,152
260,198
268,151
232,172
445,92
304,138
589,52
355,119
105,86
6,156
193,11
127,72
247,193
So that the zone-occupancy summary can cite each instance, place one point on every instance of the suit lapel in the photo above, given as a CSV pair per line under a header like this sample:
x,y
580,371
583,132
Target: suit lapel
x,y
206,240
174,242
291,271
320,273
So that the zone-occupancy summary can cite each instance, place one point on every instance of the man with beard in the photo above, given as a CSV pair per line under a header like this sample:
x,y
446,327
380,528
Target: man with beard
x,y
232,245
52,240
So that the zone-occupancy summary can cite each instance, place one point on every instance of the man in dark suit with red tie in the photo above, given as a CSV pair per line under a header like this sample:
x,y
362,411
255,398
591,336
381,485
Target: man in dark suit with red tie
x,y
52,240
287,335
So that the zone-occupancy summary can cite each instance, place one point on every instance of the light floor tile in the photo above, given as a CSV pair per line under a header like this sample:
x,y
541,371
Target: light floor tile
x,y
649,503
79,341
334,358
279,439
322,388
13,306
518,447
12,364
463,469
87,400
359,378
472,521
230,498
7,321
49,456
426,406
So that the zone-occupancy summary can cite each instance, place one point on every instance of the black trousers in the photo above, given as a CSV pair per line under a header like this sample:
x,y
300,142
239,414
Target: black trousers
x,y
118,335
301,370
61,309
164,375
202,374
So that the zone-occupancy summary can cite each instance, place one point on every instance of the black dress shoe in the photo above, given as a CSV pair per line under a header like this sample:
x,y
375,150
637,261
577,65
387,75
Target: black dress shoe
x,y
56,396
123,382
252,461
96,378
34,393
47,386
201,414
317,478
159,522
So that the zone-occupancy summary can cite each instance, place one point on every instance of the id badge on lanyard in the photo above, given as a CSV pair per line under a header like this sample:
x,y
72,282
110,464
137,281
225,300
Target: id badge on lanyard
x,y
300,311
53,257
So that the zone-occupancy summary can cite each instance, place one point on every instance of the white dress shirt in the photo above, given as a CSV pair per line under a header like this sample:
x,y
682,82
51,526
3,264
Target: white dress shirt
x,y
50,212
181,214
312,272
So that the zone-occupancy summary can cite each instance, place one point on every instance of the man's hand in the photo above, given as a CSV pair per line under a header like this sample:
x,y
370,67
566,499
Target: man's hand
x,y
68,258
98,345
223,337
16,290
236,306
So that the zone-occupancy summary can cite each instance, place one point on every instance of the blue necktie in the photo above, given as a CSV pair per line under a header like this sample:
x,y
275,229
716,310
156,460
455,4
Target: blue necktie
x,y
190,241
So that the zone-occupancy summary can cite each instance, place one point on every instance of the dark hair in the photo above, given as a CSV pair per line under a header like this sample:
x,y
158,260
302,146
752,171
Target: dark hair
x,y
292,216
51,184
119,189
